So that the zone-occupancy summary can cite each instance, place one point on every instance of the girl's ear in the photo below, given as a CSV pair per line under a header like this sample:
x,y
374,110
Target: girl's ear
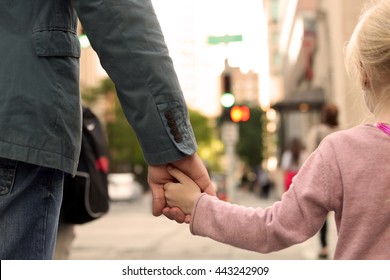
x,y
365,81
366,84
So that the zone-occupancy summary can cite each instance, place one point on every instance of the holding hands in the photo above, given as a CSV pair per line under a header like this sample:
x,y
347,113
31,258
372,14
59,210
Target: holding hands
x,y
159,176
182,194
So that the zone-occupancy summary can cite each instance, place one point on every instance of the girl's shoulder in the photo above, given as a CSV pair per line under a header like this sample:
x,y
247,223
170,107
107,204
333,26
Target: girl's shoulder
x,y
355,131
360,135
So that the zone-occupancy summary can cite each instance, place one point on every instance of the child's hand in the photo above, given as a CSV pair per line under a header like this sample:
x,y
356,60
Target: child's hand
x,y
182,194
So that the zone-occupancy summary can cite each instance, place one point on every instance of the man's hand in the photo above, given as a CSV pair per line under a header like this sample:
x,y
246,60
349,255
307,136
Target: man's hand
x,y
158,176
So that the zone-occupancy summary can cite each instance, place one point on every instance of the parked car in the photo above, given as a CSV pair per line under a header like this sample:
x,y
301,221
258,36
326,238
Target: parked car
x,y
123,186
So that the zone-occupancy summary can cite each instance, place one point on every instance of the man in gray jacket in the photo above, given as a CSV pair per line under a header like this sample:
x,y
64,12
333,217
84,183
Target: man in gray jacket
x,y
40,111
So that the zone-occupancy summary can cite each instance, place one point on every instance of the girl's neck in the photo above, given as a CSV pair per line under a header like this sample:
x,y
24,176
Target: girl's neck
x,y
384,117
382,112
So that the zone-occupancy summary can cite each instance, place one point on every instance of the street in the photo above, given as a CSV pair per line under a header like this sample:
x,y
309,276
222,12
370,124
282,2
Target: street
x,y
130,232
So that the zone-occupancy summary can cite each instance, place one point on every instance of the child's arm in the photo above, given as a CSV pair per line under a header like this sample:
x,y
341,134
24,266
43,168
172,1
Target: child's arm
x,y
182,194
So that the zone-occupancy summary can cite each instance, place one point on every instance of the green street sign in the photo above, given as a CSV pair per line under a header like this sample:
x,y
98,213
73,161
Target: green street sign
x,y
214,40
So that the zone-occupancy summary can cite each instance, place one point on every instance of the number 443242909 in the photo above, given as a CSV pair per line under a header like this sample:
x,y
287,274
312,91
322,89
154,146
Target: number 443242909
x,y
231,270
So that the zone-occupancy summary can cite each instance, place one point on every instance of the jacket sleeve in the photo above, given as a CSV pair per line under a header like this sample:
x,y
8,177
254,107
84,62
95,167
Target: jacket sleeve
x,y
129,42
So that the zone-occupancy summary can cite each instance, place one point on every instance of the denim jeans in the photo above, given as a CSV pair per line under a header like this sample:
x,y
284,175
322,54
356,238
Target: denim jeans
x,y
30,201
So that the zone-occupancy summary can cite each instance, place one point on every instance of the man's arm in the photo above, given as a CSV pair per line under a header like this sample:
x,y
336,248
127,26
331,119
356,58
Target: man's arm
x,y
129,42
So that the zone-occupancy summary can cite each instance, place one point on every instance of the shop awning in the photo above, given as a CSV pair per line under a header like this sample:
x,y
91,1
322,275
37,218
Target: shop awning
x,y
303,101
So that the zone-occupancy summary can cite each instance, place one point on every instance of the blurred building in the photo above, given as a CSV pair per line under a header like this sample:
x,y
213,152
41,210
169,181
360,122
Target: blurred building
x,y
306,43
91,72
244,85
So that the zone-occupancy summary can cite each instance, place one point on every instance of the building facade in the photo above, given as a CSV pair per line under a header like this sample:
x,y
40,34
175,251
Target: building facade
x,y
306,43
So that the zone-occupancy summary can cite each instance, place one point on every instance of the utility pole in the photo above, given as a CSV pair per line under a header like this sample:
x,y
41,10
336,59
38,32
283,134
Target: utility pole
x,y
229,128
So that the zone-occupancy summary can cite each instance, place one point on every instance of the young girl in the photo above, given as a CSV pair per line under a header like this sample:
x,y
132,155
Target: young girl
x,y
349,174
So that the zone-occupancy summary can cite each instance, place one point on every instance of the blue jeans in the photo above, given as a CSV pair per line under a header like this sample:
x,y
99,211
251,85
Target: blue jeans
x,y
30,201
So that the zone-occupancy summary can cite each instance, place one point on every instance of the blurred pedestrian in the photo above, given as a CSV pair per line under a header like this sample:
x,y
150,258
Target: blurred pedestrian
x,y
292,159
40,111
329,124
348,173
263,180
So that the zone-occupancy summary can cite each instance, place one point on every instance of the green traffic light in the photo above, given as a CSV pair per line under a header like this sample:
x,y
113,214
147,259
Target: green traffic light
x,y
227,100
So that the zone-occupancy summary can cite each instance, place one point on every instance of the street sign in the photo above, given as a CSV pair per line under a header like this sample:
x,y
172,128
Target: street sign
x,y
214,40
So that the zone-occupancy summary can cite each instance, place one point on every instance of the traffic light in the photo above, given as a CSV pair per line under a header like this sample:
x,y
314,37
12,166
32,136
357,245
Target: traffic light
x,y
240,113
227,97
230,111
227,82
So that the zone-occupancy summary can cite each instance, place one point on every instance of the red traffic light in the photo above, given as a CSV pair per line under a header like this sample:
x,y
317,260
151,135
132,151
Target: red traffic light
x,y
240,113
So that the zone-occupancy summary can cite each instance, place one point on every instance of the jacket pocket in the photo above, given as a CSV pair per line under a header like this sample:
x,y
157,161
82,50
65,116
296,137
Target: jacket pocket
x,y
56,42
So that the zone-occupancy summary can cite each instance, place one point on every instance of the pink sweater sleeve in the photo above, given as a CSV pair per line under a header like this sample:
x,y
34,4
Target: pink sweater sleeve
x,y
297,217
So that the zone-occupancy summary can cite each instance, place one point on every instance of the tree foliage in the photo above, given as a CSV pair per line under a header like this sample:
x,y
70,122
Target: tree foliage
x,y
125,150
250,146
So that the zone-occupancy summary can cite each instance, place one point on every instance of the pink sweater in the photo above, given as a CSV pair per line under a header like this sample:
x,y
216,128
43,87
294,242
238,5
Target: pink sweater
x,y
349,174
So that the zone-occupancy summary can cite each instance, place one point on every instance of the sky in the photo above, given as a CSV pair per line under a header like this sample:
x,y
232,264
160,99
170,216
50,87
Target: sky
x,y
186,25
216,18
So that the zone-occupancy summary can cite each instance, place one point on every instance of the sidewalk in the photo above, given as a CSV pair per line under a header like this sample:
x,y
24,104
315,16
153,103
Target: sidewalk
x,y
130,232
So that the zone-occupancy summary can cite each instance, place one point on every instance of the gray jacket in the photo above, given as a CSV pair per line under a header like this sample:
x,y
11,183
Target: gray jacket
x,y
40,112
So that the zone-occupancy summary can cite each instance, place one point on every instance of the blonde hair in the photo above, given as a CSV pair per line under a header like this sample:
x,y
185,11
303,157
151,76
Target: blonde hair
x,y
368,54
